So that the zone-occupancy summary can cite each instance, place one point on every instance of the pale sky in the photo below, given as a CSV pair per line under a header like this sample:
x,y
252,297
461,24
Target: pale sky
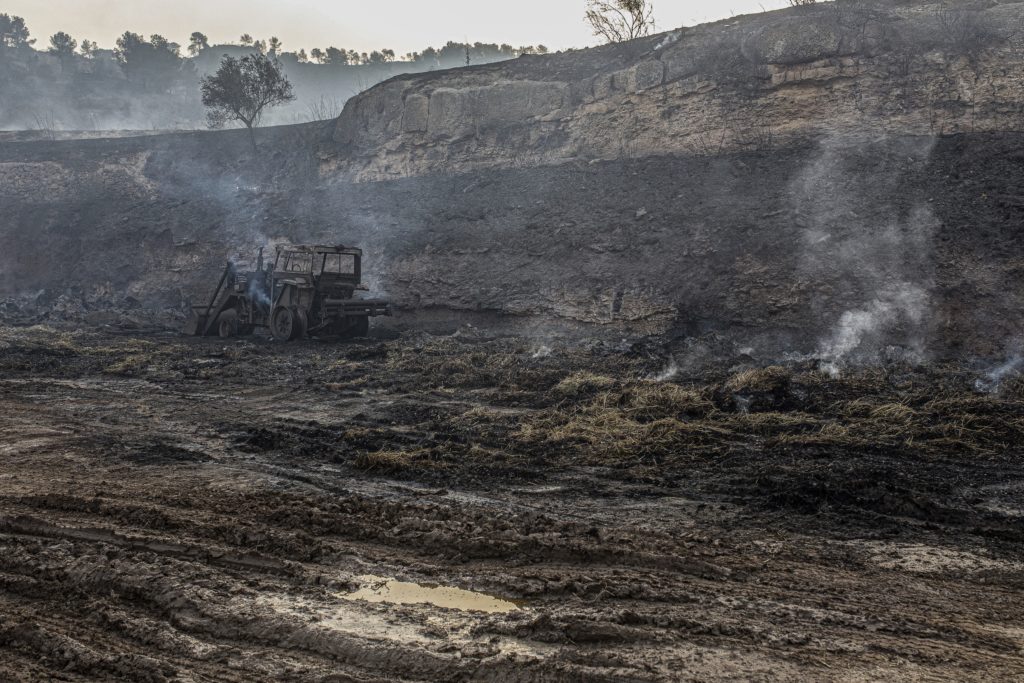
x,y
402,25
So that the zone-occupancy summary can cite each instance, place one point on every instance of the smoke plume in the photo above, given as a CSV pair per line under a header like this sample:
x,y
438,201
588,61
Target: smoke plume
x,y
871,243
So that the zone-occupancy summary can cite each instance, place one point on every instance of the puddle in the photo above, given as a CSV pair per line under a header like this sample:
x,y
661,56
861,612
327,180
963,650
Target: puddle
x,y
381,589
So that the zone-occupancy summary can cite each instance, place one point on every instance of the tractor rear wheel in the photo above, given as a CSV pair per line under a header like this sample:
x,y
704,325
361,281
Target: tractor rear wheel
x,y
227,324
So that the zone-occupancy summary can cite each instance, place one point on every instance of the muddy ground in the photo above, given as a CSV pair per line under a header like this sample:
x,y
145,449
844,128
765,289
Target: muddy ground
x,y
173,509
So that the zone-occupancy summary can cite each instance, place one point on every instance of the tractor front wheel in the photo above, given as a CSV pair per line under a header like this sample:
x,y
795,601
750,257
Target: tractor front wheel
x,y
227,324
288,323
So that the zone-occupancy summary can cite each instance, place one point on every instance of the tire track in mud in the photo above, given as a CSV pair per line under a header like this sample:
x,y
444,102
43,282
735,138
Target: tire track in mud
x,y
122,556
582,631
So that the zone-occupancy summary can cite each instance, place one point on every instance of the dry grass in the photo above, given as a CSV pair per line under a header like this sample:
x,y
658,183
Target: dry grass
x,y
894,413
857,408
771,423
608,436
593,409
631,421
446,362
1013,388
132,364
384,461
759,380
642,419
583,383
647,401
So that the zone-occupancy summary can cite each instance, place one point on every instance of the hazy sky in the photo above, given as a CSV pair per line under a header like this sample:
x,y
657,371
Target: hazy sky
x,y
402,25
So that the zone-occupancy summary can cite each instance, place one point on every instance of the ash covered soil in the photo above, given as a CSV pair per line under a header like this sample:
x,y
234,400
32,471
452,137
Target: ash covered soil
x,y
174,509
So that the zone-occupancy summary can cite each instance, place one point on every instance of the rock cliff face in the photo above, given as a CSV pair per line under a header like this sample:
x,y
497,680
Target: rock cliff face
x,y
827,181
851,68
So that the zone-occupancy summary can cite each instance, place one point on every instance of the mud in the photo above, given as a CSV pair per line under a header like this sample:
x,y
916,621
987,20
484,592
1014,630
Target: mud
x,y
173,509
383,589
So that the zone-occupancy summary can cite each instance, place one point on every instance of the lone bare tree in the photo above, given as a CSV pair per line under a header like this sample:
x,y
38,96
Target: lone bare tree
x,y
242,89
619,20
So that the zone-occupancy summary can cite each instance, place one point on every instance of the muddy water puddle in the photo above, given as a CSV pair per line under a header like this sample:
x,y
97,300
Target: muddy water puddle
x,y
383,589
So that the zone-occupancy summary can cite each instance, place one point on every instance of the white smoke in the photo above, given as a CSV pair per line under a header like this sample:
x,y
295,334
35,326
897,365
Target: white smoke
x,y
668,372
374,258
669,40
907,306
258,293
993,379
870,246
542,351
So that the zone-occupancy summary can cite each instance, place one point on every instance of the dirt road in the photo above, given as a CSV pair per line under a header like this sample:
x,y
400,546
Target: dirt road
x,y
470,509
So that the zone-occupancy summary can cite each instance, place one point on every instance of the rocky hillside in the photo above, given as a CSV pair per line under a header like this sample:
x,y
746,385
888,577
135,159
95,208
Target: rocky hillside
x,y
841,179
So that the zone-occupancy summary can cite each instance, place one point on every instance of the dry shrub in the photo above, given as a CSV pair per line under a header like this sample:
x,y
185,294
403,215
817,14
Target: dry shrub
x,y
966,30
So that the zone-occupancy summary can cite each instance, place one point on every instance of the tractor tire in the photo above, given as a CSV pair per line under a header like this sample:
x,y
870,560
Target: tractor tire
x,y
227,324
282,323
288,323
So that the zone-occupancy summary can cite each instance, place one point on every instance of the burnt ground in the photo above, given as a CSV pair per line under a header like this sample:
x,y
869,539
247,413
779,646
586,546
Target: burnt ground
x,y
731,244
173,509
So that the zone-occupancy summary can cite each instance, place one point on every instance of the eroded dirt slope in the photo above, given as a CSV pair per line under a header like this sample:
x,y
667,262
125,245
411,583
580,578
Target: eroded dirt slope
x,y
177,510
770,248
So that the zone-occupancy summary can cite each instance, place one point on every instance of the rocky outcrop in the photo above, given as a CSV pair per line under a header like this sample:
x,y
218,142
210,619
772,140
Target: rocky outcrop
x,y
838,69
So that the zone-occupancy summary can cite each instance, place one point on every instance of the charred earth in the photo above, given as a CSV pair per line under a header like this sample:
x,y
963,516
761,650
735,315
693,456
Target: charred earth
x,y
704,365
177,508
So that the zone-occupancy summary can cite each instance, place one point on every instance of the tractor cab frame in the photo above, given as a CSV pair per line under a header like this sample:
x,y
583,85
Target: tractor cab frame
x,y
307,290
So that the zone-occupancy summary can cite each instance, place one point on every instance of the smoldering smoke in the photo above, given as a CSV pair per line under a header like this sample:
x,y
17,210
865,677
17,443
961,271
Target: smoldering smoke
x,y
992,380
886,261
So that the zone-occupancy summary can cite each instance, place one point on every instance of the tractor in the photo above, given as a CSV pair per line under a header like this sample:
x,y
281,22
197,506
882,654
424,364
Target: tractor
x,y
308,290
